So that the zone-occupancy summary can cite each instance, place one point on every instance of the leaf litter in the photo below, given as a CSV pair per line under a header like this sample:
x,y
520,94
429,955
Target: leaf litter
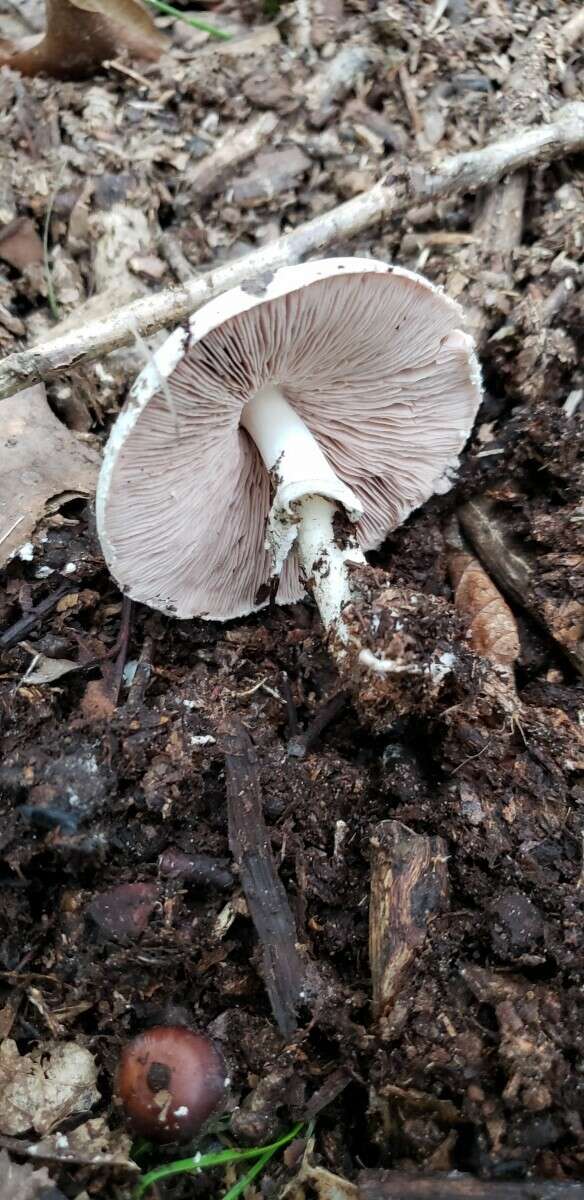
x,y
42,463
40,1090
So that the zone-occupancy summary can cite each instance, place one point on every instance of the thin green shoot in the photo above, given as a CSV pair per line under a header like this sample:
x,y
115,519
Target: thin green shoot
x,y
221,1158
141,1148
196,22
51,297
257,1168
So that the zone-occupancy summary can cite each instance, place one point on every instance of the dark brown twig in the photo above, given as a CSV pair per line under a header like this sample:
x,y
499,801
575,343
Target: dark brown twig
x,y
397,1185
23,626
409,883
283,969
137,688
286,691
299,745
201,869
332,1087
113,672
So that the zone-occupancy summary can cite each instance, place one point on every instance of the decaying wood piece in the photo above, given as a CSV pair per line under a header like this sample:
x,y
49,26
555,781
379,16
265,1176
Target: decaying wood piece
x,y
468,171
491,624
300,744
171,251
498,225
208,175
283,968
274,173
335,80
397,1185
515,571
409,884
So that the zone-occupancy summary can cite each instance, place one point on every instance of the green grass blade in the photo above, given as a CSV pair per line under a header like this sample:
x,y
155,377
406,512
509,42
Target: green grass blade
x,y
249,1176
202,1162
196,22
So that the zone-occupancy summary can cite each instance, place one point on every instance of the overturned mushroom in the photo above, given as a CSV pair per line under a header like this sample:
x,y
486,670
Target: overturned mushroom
x,y
287,429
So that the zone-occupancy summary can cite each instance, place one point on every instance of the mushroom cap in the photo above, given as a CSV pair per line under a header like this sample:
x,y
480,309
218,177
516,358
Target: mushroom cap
x,y
170,1080
373,359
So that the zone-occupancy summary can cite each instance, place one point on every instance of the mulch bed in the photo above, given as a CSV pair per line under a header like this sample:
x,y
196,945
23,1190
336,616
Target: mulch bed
x,y
118,773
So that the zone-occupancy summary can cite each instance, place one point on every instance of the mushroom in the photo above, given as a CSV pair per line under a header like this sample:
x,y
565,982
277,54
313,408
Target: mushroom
x,y
170,1081
283,432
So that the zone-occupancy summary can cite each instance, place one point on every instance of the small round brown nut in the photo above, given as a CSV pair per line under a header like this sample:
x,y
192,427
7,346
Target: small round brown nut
x,y
170,1080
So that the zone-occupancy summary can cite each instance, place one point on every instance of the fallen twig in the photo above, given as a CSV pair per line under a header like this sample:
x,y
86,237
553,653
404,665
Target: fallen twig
x,y
409,882
204,870
292,715
283,969
113,671
398,1185
301,743
23,626
410,185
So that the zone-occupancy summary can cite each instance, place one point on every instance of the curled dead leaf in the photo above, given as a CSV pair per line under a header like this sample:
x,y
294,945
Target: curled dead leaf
x,y
41,1089
80,35
47,670
39,459
492,625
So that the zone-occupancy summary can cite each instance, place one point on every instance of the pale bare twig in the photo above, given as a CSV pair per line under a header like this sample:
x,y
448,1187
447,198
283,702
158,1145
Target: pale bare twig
x,y
464,172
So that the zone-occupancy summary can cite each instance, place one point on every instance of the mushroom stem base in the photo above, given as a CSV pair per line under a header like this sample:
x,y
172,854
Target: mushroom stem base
x,y
327,551
311,506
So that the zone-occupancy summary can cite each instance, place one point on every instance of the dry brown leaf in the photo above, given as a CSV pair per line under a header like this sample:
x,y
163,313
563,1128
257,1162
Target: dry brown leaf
x,y
81,35
132,14
90,1143
492,626
39,459
22,1182
20,244
41,1089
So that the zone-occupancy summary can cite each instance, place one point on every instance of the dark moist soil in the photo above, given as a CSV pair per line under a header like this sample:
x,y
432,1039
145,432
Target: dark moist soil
x,y
478,1067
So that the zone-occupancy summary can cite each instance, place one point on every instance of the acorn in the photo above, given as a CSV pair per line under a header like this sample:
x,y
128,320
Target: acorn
x,y
170,1080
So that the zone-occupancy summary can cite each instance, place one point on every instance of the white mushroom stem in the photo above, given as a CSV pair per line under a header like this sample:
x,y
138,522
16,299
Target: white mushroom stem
x,y
308,496
324,561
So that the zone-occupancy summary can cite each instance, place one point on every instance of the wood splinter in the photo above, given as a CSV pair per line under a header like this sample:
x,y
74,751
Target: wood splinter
x,y
283,969
409,883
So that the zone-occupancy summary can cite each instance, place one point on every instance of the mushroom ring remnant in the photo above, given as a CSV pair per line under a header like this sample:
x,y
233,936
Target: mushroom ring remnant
x,y
287,429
